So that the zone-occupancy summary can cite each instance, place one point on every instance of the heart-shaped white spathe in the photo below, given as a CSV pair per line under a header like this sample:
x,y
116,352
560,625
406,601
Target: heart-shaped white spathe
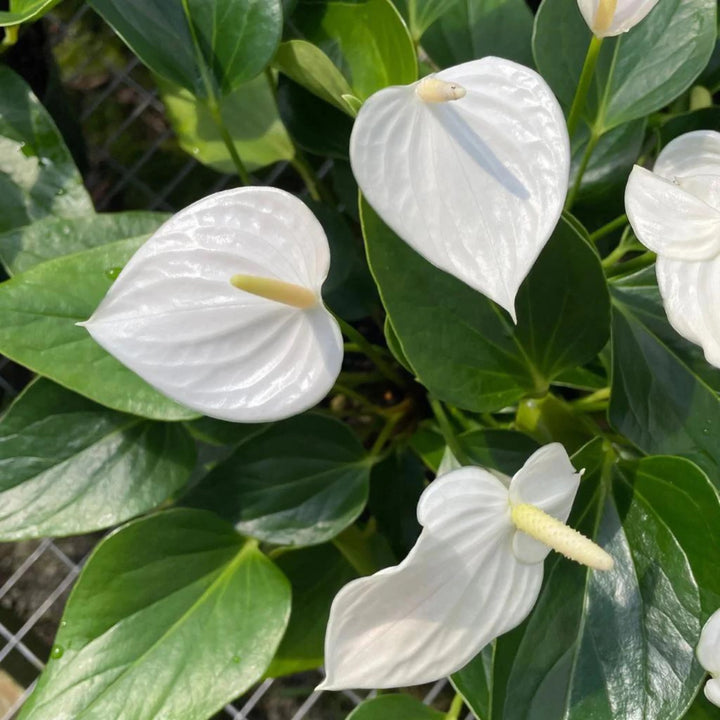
x,y
708,653
675,212
607,18
174,317
474,179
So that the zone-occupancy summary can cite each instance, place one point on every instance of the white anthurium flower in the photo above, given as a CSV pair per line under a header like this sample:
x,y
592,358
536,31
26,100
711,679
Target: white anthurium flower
x,y
607,18
221,308
675,212
469,167
474,573
708,653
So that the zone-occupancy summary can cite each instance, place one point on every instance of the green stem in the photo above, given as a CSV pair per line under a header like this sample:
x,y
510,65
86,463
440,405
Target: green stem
x,y
229,144
306,172
385,433
613,225
448,432
369,350
455,708
338,388
592,142
630,266
11,36
583,87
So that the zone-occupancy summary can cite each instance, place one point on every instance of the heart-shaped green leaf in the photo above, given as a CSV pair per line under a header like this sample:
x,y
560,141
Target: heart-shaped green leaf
x,y
71,466
37,174
168,603
300,482
40,310
463,347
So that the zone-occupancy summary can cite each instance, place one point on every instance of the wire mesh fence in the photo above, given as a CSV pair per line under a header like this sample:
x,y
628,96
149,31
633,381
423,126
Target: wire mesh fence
x,y
130,159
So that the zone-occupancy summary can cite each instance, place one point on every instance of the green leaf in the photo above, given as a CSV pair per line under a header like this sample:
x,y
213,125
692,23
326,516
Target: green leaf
x,y
474,682
596,642
503,450
664,395
394,707
702,709
316,574
393,343
40,309
677,125
396,484
172,603
208,47
52,237
71,466
367,41
37,174
250,115
638,72
422,14
24,10
300,482
429,445
466,350
315,127
471,29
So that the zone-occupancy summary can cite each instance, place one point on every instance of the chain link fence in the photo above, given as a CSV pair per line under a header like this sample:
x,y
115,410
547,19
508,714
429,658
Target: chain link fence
x,y
130,159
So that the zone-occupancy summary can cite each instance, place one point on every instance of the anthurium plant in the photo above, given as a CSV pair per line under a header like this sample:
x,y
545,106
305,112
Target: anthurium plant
x,y
445,405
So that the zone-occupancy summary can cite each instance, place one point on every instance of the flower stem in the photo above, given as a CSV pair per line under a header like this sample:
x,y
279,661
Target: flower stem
x,y
369,350
613,225
385,433
591,143
583,87
448,432
457,705
638,263
216,113
306,172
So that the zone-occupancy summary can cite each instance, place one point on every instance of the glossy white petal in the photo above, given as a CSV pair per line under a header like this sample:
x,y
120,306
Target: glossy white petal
x,y
173,317
476,185
669,219
458,589
607,18
694,153
550,482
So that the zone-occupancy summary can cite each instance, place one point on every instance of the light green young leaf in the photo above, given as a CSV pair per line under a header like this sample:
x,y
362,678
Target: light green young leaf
x,y
368,42
51,237
71,466
40,309
172,603
638,72
209,47
394,707
25,10
37,174
300,482
250,115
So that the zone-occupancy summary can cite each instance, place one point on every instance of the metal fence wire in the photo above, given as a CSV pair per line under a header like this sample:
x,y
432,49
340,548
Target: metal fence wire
x,y
130,160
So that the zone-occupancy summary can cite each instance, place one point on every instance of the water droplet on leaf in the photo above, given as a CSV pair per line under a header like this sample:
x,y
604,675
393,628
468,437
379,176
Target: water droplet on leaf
x,y
57,652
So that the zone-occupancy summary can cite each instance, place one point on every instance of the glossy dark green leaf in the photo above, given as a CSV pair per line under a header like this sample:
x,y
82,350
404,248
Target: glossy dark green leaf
x,y
250,115
316,574
52,237
71,466
37,174
503,450
24,10
393,343
172,603
367,41
471,29
396,484
687,122
622,643
40,309
300,482
702,709
429,445
209,47
315,126
464,348
638,72
664,395
220,432
394,707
